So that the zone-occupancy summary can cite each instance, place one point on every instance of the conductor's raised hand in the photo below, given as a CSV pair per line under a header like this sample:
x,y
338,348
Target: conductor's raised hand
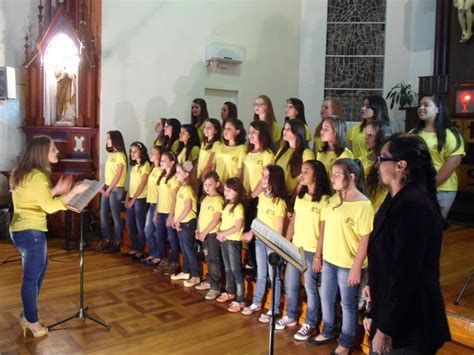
x,y
63,186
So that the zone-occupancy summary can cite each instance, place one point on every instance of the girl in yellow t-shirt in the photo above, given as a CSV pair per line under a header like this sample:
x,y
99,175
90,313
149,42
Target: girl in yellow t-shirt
x,y
231,154
135,200
208,224
199,115
230,235
333,136
292,154
374,108
228,109
346,224
294,110
172,129
111,203
163,218
446,147
376,134
331,106
34,198
271,211
153,258
188,149
184,221
263,109
303,231
211,142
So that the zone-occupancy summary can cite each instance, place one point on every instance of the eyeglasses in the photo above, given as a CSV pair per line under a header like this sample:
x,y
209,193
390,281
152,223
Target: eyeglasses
x,y
381,159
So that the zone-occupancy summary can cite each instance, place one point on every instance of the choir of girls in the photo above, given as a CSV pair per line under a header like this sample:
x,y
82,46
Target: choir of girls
x,y
205,181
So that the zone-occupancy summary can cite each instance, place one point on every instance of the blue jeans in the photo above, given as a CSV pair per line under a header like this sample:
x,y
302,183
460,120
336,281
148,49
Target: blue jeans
x,y
163,231
334,278
234,281
31,243
264,269
212,251
188,245
445,200
151,232
292,289
113,205
136,217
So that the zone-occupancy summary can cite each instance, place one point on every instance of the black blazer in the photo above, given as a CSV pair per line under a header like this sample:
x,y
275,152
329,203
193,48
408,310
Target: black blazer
x,y
404,251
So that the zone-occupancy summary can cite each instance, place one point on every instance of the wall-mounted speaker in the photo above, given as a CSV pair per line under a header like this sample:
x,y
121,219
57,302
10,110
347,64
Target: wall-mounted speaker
x,y
7,83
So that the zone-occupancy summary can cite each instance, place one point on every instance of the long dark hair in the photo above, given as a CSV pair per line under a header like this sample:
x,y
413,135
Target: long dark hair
x,y
299,107
192,142
118,143
199,120
232,108
35,157
323,186
339,127
420,170
352,166
442,124
276,183
383,131
296,160
217,136
379,106
176,125
241,137
172,157
143,153
264,137
235,184
270,117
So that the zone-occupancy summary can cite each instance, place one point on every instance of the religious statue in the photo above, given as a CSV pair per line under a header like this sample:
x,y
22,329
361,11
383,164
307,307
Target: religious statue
x,y
465,18
65,97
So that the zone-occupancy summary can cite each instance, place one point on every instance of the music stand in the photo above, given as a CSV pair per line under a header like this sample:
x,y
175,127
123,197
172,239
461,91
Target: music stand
x,y
468,280
282,249
78,204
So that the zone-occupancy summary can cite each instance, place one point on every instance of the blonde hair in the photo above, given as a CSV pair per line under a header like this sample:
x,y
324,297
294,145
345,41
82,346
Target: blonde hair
x,y
35,157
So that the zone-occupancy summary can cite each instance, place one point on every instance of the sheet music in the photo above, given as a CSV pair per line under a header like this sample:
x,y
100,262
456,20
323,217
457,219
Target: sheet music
x,y
80,201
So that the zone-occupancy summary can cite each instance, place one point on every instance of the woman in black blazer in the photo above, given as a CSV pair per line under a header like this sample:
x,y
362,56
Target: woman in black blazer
x,y
406,306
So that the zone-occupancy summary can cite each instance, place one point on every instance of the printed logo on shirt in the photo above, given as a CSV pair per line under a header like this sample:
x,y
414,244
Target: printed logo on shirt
x,y
210,208
350,221
235,159
270,212
113,160
260,162
316,210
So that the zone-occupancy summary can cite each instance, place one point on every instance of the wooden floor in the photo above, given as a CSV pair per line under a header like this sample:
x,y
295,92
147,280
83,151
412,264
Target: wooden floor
x,y
150,314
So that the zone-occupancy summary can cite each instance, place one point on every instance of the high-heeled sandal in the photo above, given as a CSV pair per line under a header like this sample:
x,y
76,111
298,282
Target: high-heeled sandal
x,y
24,320
41,332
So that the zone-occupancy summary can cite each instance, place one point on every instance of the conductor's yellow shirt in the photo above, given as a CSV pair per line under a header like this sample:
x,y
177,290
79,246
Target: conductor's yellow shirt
x,y
210,206
229,218
113,160
32,200
344,225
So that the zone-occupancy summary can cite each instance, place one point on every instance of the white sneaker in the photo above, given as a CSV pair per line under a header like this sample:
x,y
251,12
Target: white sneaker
x,y
180,276
265,317
251,309
284,322
203,286
304,332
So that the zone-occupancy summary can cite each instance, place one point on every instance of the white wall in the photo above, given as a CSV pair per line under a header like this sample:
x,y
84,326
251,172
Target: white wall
x,y
16,17
153,51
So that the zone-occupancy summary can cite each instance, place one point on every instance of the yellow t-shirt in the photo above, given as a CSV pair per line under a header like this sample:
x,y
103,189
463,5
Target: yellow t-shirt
x,y
451,184
205,155
276,132
309,136
269,211
152,186
343,228
367,164
194,155
284,162
185,192
136,177
165,194
229,160
200,131
358,141
209,206
113,160
328,158
228,220
380,195
253,165
32,200
174,146
307,221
